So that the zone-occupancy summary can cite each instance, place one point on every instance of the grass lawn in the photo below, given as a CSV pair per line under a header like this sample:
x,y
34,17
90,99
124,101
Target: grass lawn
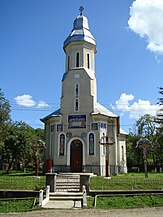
x,y
130,181
17,206
126,202
26,181
21,181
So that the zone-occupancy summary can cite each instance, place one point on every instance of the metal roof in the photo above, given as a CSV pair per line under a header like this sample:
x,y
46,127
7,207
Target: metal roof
x,y
80,31
53,114
100,109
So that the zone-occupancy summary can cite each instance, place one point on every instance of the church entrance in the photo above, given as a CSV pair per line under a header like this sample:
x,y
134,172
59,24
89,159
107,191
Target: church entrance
x,y
76,156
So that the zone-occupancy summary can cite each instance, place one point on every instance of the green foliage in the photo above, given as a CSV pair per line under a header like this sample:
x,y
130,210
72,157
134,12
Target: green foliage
x,y
16,138
147,127
134,155
17,146
4,117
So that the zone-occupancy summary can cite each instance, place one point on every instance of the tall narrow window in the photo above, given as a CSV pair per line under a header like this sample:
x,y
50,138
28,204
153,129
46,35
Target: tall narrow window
x,y
77,59
76,89
76,105
51,145
61,144
68,62
88,61
91,140
122,150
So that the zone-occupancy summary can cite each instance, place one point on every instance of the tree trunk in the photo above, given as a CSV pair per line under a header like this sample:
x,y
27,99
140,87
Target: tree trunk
x,y
9,169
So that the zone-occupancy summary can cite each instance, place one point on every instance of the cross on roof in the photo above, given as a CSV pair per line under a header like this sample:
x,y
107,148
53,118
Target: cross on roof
x,y
81,9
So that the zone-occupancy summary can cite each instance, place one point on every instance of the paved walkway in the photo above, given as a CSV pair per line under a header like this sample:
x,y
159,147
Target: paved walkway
x,y
148,212
63,204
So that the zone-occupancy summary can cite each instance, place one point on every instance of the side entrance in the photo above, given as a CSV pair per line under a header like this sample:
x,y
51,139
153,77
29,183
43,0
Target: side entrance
x,y
76,156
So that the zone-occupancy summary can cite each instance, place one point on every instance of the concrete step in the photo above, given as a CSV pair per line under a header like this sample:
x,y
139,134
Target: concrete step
x,y
65,194
68,182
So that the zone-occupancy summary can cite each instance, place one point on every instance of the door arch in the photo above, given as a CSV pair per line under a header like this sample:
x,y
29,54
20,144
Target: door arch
x,y
69,147
76,156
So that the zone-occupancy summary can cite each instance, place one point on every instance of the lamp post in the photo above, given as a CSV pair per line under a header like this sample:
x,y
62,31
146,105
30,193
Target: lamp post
x,y
145,144
39,146
107,142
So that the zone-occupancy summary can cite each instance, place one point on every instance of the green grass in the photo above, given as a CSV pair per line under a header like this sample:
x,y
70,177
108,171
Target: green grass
x,y
130,181
17,206
125,202
21,181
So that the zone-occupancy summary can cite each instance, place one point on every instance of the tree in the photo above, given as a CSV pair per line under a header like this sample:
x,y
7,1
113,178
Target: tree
x,y
17,146
134,155
146,127
159,119
4,117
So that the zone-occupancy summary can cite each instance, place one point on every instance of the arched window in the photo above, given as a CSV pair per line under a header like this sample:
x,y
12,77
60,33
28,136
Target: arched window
x,y
51,145
91,143
76,105
88,61
77,59
68,62
62,141
76,90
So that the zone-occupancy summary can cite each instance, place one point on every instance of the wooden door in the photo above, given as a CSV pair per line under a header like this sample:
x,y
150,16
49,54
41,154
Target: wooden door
x,y
76,156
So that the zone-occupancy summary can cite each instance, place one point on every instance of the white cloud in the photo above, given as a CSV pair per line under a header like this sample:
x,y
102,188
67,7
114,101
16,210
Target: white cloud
x,y
42,104
146,20
123,102
25,100
135,109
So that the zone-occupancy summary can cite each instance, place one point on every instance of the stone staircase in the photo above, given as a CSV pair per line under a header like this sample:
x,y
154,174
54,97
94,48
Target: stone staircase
x,y
67,194
68,182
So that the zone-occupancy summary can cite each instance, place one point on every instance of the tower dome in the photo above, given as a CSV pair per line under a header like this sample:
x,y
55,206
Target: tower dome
x,y
80,31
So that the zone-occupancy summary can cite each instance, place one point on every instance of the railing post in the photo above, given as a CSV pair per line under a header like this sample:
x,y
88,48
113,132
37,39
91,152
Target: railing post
x,y
40,197
47,191
84,197
85,180
51,181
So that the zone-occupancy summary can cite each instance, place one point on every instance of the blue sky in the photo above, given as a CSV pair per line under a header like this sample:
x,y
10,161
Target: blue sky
x,y
129,60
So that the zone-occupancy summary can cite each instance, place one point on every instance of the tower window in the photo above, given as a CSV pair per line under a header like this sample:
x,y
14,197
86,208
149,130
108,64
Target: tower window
x,y
77,59
76,105
76,90
88,61
68,62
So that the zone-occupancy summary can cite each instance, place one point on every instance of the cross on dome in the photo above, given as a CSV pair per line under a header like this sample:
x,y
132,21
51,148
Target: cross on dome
x,y
81,9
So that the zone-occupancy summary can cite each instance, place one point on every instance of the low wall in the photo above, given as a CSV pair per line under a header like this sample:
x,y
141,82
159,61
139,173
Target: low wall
x,y
18,193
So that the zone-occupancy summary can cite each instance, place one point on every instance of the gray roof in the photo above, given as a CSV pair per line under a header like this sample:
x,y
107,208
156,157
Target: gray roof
x,y
123,132
80,31
53,114
99,109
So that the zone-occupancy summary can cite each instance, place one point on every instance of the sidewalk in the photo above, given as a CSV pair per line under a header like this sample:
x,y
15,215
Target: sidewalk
x,y
66,204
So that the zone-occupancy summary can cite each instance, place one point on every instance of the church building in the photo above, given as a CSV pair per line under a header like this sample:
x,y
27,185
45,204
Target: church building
x,y
82,135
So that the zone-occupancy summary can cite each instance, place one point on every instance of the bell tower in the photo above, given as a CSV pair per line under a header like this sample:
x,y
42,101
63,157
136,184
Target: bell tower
x,y
79,80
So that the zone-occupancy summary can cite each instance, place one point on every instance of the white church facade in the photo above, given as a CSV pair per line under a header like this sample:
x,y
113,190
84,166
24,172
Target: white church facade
x,y
82,135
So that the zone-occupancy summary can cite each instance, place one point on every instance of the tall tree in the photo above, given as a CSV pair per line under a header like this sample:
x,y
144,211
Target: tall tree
x,y
159,121
5,110
18,145
160,111
146,126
